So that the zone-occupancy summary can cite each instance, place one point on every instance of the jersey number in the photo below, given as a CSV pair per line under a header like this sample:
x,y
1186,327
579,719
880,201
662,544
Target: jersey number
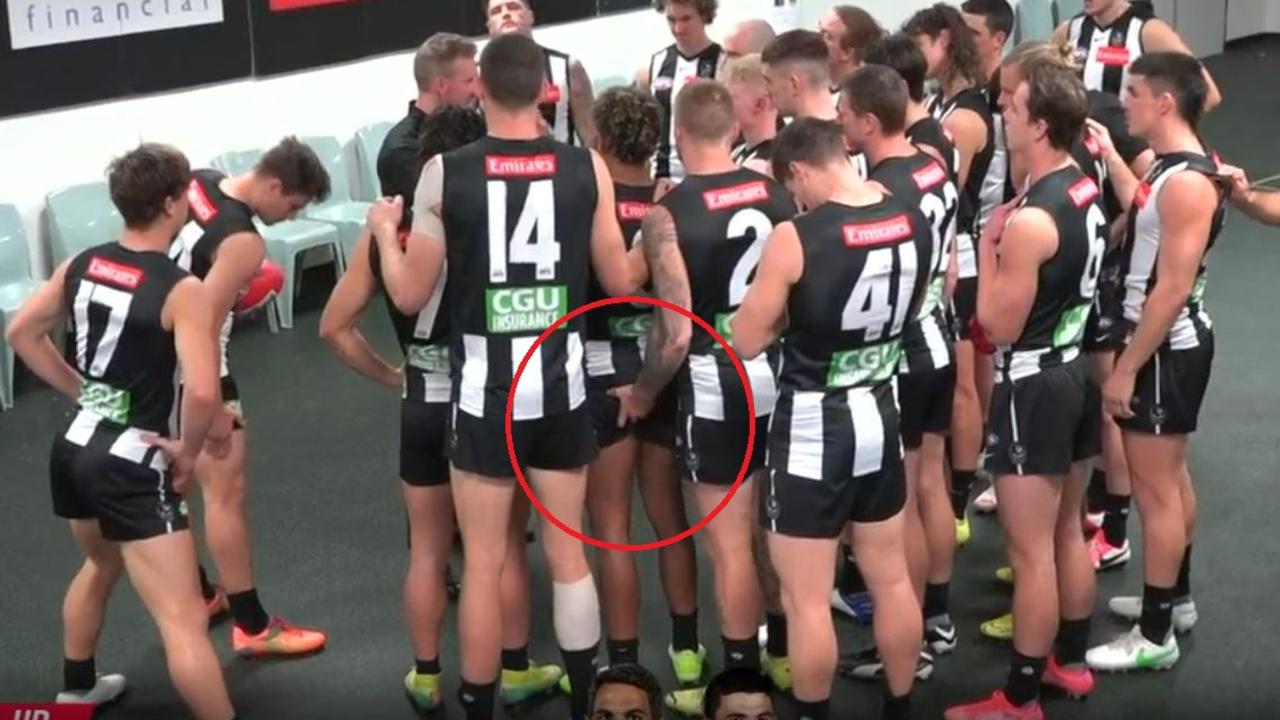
x,y
869,307
941,211
1097,224
750,220
117,303
533,242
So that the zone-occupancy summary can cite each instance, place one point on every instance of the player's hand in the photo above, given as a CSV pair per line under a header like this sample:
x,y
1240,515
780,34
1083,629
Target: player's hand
x,y
999,217
1239,181
1102,135
1117,394
633,404
394,377
181,462
385,214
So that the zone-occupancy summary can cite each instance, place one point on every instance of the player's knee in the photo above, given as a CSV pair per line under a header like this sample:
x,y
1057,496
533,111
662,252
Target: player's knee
x,y
225,490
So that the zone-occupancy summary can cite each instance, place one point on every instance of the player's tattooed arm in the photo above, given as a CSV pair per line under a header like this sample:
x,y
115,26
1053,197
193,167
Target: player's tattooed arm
x,y
763,313
581,100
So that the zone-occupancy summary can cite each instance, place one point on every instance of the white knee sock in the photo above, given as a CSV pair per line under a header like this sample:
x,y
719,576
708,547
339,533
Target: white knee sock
x,y
576,609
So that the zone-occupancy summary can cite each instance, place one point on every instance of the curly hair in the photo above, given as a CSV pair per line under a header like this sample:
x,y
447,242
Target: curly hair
x,y
630,124
706,8
449,127
962,61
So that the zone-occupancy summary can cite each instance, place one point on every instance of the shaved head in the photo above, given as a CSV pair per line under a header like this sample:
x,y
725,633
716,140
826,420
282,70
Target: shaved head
x,y
748,37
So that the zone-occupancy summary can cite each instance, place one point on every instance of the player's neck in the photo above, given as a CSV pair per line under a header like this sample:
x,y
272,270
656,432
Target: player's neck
x,y
710,159
239,187
695,47
849,189
916,112
1111,14
1172,136
427,102
816,104
764,128
840,71
637,175
888,146
954,86
150,240
1043,160
991,66
513,124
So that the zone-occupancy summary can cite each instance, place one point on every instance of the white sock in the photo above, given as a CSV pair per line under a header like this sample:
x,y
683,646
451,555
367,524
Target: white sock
x,y
576,609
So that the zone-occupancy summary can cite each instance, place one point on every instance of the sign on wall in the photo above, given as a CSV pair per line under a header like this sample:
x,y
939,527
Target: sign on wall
x,y
37,23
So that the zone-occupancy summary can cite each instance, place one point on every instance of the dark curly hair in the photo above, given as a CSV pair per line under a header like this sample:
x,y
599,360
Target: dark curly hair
x,y
706,8
962,61
629,123
449,127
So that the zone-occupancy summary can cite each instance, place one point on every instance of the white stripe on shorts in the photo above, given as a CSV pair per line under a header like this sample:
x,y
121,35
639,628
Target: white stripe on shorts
x,y
475,374
708,397
805,441
868,432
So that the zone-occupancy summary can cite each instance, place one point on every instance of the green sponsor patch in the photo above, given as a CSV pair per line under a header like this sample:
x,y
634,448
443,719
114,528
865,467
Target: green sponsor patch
x,y
631,326
428,358
524,309
1070,330
110,403
876,363
933,298
1197,292
724,326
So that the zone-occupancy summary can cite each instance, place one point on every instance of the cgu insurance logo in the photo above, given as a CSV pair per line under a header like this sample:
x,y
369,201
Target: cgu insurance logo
x,y
45,711
524,309
36,23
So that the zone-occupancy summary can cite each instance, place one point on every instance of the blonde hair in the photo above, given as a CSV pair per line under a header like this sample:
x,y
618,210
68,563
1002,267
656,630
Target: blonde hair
x,y
1036,53
745,69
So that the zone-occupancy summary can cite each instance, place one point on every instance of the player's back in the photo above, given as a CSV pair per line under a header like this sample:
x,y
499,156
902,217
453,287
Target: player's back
x,y
616,334
518,217
422,338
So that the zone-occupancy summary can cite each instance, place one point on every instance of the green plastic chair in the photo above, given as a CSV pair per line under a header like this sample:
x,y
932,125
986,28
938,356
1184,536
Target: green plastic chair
x,y
611,81
1035,20
345,214
80,217
368,143
286,241
1064,10
16,285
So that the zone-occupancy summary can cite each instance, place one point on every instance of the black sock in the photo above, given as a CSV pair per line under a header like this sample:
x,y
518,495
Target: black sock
x,y
851,580
684,631
1183,588
1024,679
1115,524
936,599
248,611
624,652
427,667
1073,641
477,700
896,708
743,653
78,675
207,590
961,486
581,667
812,710
777,644
1096,495
516,659
1157,613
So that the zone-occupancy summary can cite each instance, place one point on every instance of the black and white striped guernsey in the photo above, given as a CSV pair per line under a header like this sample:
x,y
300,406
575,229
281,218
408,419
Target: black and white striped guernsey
x,y
1105,53
423,339
669,72
1142,250
968,223
761,151
117,341
557,99
928,132
617,334
517,218
722,222
1066,283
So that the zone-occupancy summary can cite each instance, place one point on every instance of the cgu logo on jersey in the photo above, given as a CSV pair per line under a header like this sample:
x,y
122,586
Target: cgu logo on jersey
x,y
1113,56
631,326
929,176
520,166
525,309
633,210
877,233
872,364
201,205
736,196
1083,192
111,404
1071,326
115,273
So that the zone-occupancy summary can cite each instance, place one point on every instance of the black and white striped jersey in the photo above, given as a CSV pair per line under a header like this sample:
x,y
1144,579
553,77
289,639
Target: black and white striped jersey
x,y
617,334
928,132
995,188
117,341
1066,283
722,222
921,181
423,339
968,225
1142,249
1105,53
517,218
556,98
761,151
669,72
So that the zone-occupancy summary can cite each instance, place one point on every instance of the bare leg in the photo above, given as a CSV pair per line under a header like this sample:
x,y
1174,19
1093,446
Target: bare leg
x,y
517,609
967,415
1077,583
1029,511
226,527
1157,466
482,504
664,504
609,482
431,529
898,625
737,585
916,545
85,604
935,508
806,570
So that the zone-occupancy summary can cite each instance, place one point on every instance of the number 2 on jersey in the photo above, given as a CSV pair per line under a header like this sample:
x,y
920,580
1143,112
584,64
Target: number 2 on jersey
x,y
117,303
742,223
533,241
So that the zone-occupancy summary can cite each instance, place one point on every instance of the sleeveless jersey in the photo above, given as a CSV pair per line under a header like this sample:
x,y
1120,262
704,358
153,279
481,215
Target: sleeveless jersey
x,y
669,72
118,343
422,338
995,189
556,97
722,222
215,216
969,220
1142,249
865,268
1066,283
744,153
1106,53
517,218
922,182
617,334
928,132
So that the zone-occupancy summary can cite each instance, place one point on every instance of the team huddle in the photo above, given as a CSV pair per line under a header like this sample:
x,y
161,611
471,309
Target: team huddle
x,y
1006,273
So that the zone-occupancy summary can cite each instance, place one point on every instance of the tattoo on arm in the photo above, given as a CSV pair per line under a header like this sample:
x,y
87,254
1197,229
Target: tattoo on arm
x,y
669,340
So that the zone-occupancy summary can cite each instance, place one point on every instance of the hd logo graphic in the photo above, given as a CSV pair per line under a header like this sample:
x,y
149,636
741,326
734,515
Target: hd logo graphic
x,y
45,711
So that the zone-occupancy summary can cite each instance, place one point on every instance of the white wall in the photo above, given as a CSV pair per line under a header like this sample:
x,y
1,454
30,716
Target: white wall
x,y
1251,17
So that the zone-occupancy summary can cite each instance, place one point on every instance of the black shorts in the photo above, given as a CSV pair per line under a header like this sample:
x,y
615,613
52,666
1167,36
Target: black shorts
x,y
712,450
834,457
423,427
964,306
130,501
926,398
659,428
1169,390
1040,425
558,442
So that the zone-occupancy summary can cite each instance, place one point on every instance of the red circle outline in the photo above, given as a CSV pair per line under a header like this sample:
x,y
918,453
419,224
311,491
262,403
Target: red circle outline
x,y
524,483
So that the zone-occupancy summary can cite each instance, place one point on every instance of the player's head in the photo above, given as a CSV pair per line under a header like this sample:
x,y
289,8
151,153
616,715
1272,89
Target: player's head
x,y
848,31
508,16
749,37
947,45
511,73
288,177
1098,7
873,105
991,22
704,117
1164,87
688,19
628,124
626,692
1048,110
1025,59
901,54
741,694
148,185
805,156
795,64
744,77
445,67
449,127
